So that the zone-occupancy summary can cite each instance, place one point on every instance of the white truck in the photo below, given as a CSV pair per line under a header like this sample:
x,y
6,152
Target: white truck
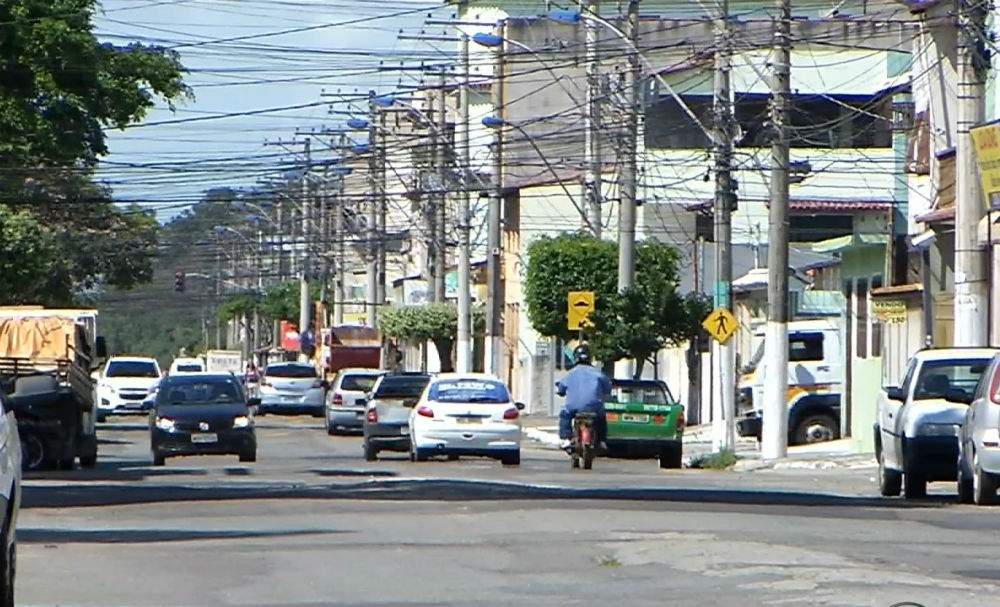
x,y
224,361
815,383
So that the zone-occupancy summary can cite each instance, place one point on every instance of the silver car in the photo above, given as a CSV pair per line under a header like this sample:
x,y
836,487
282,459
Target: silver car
x,y
979,439
291,387
387,418
345,404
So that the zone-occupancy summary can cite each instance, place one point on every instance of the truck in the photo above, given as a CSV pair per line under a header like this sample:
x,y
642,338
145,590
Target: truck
x,y
47,361
816,383
224,361
352,347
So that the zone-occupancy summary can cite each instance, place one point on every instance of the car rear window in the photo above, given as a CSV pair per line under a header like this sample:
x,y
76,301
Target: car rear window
x,y
937,377
291,371
189,368
469,391
358,382
642,394
401,387
131,368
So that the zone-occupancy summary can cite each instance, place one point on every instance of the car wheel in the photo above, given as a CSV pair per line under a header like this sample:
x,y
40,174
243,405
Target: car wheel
x,y
420,455
671,458
890,482
32,452
984,485
371,453
453,458
100,418
914,483
249,456
159,459
514,459
66,463
816,428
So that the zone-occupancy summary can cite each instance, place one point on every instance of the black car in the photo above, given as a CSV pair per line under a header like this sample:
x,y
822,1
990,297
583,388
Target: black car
x,y
386,424
202,415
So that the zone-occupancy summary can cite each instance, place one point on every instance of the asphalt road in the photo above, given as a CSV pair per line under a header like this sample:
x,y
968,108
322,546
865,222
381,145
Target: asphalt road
x,y
311,523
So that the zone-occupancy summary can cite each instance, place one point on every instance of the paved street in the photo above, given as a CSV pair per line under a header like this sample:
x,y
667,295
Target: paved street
x,y
312,523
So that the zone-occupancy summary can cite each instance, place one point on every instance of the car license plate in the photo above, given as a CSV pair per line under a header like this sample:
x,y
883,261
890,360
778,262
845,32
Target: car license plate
x,y
209,437
469,420
404,430
639,419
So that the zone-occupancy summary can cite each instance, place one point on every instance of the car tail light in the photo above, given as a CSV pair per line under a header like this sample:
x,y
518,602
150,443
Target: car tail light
x,y
681,420
372,416
511,413
338,399
425,411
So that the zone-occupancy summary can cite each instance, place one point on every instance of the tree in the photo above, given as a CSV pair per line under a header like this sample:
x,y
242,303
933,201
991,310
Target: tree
x,y
28,255
437,322
281,302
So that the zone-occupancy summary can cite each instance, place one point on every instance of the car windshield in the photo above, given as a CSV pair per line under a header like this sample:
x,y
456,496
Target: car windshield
x,y
291,371
937,377
200,391
402,386
469,391
357,382
189,368
131,368
649,394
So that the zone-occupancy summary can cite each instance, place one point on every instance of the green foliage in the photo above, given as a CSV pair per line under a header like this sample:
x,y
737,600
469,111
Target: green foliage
x,y
238,306
720,460
28,255
436,322
281,301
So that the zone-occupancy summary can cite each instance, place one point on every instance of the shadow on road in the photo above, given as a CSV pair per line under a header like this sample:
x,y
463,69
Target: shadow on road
x,y
348,472
119,470
34,535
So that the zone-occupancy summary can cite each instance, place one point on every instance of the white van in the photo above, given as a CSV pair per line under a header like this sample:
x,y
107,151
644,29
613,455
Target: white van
x,y
815,382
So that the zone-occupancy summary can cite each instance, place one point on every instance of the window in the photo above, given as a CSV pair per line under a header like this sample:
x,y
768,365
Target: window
x,y
908,376
200,391
805,347
189,368
827,121
646,394
401,386
668,126
469,391
358,382
939,376
132,368
292,371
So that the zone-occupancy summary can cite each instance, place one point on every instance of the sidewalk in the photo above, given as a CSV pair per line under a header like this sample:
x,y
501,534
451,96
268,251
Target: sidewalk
x,y
544,430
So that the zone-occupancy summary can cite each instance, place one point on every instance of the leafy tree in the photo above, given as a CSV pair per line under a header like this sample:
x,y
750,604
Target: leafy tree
x,y
28,255
281,302
437,322
240,305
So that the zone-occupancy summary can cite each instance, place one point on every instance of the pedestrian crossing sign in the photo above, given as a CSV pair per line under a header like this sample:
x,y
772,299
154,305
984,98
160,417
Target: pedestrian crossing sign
x,y
720,324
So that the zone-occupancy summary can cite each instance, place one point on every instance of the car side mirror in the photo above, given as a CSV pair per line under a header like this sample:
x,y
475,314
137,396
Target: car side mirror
x,y
958,395
895,393
253,402
520,406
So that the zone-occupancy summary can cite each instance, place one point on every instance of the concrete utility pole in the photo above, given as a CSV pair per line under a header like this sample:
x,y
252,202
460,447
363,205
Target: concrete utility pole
x,y
339,236
441,200
374,239
775,431
971,307
591,123
724,355
464,345
305,300
379,156
494,268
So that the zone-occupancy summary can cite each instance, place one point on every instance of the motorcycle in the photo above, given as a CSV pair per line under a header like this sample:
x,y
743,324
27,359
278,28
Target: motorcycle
x,y
584,446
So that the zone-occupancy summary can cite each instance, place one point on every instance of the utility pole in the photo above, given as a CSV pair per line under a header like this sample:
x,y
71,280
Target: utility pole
x,y
218,291
379,155
774,440
494,268
971,308
339,236
724,421
627,190
305,300
441,200
376,213
592,143
464,346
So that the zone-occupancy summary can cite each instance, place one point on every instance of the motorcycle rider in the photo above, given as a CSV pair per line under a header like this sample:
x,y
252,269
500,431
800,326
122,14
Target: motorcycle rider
x,y
585,389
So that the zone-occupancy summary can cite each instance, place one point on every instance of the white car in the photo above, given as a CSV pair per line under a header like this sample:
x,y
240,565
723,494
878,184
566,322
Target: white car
x,y
347,398
979,440
124,384
186,366
917,426
466,414
294,388
10,500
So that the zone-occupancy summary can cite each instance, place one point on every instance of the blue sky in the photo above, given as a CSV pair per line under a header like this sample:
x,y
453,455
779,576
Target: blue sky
x,y
337,46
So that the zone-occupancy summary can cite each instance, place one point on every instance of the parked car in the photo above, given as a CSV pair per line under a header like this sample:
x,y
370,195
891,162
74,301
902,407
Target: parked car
x,y
202,415
124,384
346,400
10,499
979,439
917,426
466,414
387,414
180,366
292,387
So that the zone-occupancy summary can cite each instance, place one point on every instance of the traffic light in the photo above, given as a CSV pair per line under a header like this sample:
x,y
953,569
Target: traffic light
x,y
179,282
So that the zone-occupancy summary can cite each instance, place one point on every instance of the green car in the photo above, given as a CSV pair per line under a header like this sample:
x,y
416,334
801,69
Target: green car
x,y
644,421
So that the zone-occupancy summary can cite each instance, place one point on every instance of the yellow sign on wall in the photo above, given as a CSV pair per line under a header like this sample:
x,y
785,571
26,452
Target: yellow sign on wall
x,y
579,306
986,140
889,310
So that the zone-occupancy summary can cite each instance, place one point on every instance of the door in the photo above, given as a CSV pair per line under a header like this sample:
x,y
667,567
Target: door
x,y
889,420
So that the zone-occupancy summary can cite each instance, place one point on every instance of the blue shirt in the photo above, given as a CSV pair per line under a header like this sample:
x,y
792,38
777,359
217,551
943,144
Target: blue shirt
x,y
585,389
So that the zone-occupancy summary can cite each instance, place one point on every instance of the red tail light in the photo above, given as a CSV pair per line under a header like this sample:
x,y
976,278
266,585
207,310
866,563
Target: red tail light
x,y
681,421
372,416
338,399
511,413
425,411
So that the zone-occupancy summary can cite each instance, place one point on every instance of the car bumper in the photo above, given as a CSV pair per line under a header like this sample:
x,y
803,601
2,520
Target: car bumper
x,y
272,403
229,442
122,406
345,418
388,437
989,459
641,447
468,441
935,457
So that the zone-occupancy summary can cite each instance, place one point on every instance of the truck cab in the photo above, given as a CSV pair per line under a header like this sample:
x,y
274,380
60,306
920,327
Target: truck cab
x,y
815,383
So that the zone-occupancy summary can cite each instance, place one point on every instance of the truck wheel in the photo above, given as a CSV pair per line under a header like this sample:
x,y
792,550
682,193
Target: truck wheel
x,y
32,452
984,485
889,481
816,428
371,454
670,458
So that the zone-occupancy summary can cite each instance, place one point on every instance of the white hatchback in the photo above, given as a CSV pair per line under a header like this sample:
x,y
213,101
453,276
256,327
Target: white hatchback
x,y
466,414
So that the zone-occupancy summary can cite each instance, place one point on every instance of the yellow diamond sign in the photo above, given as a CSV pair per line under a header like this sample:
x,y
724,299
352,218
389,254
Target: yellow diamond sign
x,y
720,324
579,305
